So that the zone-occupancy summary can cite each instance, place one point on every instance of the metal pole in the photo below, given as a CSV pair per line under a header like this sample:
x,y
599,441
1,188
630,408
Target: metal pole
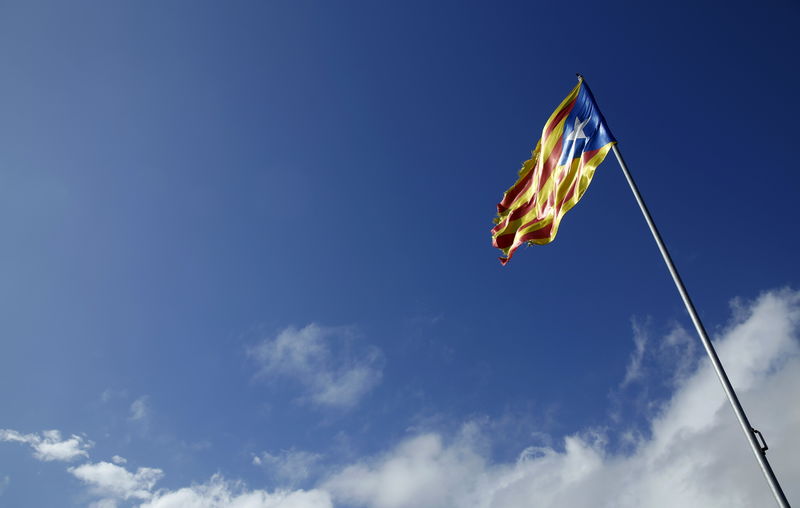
x,y
750,432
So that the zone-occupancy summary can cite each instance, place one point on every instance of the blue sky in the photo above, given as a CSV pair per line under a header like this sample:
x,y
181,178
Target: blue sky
x,y
246,253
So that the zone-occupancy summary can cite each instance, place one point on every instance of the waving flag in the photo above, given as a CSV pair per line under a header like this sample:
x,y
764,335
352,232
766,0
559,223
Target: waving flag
x,y
574,141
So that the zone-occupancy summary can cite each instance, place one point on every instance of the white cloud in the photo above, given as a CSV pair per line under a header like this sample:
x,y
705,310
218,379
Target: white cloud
x,y
695,453
323,360
289,466
421,472
140,409
49,446
115,482
218,493
116,459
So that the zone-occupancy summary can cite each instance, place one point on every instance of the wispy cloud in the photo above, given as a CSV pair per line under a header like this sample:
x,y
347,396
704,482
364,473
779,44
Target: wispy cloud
x,y
110,394
324,360
678,349
140,409
634,369
695,454
289,467
49,445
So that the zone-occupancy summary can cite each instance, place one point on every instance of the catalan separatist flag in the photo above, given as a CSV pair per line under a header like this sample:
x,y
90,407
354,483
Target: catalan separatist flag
x,y
574,141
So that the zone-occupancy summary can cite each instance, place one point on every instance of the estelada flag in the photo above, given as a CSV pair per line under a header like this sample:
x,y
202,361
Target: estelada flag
x,y
574,141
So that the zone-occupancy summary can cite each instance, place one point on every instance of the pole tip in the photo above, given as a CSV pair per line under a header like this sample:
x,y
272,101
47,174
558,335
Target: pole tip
x,y
580,76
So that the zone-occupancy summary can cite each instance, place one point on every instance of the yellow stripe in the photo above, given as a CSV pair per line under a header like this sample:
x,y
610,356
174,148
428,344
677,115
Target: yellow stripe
x,y
524,231
545,189
565,179
527,166
544,152
587,172
569,98
587,175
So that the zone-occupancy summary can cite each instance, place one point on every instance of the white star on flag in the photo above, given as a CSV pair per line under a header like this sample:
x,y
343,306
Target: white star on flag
x,y
577,131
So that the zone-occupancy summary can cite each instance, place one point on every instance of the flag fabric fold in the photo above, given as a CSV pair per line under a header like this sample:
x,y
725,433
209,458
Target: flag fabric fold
x,y
574,141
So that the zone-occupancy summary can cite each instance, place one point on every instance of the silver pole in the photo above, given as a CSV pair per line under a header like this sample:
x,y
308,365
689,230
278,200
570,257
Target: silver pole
x,y
750,432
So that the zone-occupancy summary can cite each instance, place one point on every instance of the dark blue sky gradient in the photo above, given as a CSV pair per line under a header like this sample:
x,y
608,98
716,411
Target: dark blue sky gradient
x,y
181,179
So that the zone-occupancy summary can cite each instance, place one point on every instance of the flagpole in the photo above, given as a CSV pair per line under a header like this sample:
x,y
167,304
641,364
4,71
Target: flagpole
x,y
750,432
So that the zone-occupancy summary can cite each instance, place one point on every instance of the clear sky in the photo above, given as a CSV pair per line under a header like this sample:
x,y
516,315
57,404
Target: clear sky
x,y
246,255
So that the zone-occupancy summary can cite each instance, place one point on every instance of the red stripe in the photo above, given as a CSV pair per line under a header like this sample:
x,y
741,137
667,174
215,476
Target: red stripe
x,y
584,159
512,241
547,169
523,185
527,206
504,241
572,189
589,155
531,223
524,209
519,188
539,234
551,162
516,214
511,252
561,114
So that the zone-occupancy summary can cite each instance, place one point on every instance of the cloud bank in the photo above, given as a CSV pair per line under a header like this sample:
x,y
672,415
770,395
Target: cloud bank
x,y
694,452
323,360
219,493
